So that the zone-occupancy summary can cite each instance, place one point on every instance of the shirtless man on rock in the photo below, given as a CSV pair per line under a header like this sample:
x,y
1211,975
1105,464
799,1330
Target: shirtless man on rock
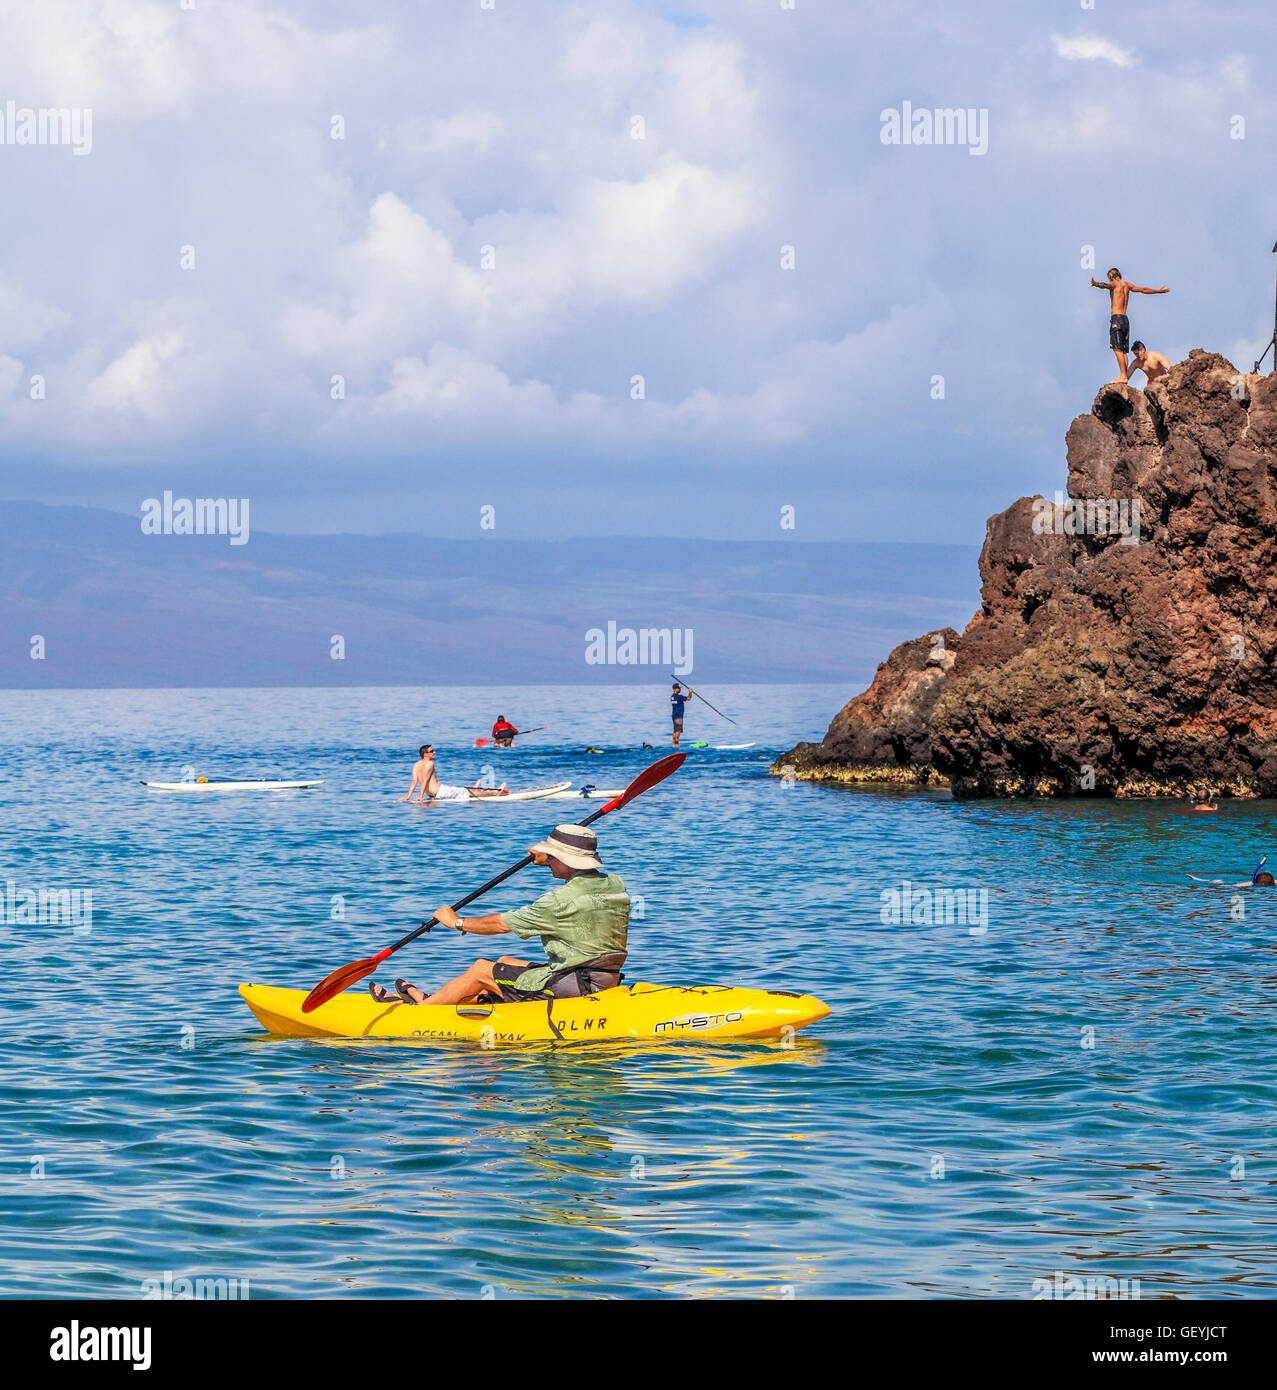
x,y
1119,325
1152,364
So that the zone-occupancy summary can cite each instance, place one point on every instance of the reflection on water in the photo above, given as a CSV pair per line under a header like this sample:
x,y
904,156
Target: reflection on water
x,y
1087,1087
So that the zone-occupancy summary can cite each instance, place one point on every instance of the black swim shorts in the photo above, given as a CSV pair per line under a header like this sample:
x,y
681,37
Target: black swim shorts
x,y
1119,333
504,977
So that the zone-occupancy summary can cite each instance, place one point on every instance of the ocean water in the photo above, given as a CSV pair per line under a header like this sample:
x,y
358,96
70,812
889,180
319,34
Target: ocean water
x,y
1079,1078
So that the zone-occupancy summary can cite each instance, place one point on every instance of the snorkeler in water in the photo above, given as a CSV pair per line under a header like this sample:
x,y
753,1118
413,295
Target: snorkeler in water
x,y
1261,878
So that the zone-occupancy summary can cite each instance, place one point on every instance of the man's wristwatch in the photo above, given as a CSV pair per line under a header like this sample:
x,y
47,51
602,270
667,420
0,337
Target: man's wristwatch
x,y
458,925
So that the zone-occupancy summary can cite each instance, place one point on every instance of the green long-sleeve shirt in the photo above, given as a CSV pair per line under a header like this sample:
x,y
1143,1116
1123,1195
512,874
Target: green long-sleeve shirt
x,y
586,917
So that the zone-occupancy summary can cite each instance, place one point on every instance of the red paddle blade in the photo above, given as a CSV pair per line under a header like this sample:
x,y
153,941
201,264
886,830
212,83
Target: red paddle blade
x,y
647,779
482,742
332,985
329,987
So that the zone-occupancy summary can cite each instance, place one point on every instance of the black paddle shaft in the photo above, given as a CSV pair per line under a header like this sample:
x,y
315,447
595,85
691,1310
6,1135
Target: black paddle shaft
x,y
715,708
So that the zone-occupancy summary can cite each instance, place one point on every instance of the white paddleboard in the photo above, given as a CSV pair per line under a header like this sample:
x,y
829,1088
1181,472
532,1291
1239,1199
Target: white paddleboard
x,y
532,794
724,746
229,786
580,794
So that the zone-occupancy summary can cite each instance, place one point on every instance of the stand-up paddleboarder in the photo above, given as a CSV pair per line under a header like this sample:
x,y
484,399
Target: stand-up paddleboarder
x,y
677,703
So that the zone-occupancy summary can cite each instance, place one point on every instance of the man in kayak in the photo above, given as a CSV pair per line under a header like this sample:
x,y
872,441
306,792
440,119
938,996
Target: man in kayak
x,y
582,924
1119,325
677,702
503,732
432,789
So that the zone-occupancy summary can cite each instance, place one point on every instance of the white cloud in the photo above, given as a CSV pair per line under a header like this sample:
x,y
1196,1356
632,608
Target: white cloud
x,y
139,380
23,318
139,58
614,256
452,382
10,375
1089,48
473,131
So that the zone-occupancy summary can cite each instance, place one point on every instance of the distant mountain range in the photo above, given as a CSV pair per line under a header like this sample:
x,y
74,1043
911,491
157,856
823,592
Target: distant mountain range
x,y
119,608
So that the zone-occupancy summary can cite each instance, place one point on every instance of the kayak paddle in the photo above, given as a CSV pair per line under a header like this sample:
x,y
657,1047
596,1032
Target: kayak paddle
x,y
483,742
348,975
715,708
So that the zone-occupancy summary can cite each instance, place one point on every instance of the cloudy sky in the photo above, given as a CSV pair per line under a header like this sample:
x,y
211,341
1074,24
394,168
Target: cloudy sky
x,y
504,376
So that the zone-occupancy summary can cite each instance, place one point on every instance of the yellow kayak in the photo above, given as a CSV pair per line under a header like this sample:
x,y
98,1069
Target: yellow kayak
x,y
646,1012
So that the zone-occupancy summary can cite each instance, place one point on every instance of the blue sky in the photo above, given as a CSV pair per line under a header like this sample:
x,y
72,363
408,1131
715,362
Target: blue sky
x,y
512,128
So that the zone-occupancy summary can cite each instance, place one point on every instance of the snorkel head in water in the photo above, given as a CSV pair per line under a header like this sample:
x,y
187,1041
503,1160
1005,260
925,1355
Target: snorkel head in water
x,y
1264,880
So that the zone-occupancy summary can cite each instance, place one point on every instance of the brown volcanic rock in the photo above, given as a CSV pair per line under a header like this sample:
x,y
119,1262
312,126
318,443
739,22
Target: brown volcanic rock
x,y
881,736
1096,665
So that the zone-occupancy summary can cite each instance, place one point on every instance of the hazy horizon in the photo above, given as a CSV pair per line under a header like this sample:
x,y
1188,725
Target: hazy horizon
x,y
89,600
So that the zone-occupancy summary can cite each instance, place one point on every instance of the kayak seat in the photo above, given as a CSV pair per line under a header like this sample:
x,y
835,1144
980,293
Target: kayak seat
x,y
603,972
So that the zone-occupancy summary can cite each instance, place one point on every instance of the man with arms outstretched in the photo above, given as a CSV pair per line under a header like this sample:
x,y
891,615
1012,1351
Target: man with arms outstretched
x,y
1119,325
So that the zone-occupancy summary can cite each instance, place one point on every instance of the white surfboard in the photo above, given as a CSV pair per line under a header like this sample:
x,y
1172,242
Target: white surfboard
x,y
227,785
583,794
531,794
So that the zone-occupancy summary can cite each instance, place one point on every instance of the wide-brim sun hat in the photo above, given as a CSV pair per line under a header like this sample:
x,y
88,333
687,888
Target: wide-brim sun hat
x,y
573,845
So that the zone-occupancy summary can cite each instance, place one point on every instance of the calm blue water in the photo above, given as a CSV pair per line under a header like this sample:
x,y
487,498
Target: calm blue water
x,y
946,1132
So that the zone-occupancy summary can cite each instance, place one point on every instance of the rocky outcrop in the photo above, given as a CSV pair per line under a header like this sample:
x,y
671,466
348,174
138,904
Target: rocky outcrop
x,y
882,735
1126,639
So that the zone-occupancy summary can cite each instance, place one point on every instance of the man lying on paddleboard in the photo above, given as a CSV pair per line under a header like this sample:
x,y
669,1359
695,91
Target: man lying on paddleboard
x,y
432,789
583,926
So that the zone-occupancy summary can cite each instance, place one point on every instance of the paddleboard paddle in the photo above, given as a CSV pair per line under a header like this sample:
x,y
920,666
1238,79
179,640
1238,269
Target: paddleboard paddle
x,y
347,975
715,708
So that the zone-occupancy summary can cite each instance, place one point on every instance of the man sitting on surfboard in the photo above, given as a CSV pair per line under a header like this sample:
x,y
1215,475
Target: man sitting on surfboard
x,y
583,926
503,732
432,789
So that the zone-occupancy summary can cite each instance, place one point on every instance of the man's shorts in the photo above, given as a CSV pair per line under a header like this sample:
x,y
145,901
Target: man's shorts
x,y
678,725
504,975
447,793
1119,333
567,986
